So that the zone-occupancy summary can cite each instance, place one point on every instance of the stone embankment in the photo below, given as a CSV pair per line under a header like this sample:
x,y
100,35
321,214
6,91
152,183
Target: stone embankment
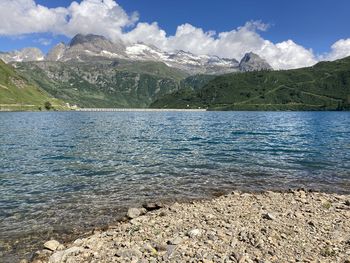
x,y
296,226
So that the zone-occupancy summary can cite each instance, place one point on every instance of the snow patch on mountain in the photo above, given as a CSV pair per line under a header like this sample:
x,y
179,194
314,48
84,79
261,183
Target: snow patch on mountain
x,y
83,48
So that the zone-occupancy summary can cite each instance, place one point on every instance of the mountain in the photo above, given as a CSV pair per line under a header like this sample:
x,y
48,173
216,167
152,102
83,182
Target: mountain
x,y
186,61
86,48
91,48
92,71
325,86
56,53
252,62
17,93
26,54
104,83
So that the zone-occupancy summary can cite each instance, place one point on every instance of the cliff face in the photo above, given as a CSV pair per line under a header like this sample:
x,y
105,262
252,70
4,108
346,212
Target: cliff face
x,y
252,62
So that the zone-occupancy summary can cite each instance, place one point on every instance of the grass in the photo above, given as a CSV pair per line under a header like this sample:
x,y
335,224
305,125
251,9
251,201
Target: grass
x,y
17,93
105,83
325,86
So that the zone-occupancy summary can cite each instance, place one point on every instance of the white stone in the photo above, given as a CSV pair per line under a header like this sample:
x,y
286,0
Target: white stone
x,y
51,245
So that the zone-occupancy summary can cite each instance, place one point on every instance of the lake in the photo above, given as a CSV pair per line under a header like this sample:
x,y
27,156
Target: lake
x,y
62,173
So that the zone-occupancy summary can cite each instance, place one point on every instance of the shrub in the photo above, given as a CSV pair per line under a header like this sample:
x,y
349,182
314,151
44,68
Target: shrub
x,y
48,105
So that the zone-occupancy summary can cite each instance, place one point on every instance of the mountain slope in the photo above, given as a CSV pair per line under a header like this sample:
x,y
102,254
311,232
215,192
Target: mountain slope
x,y
104,83
325,86
17,93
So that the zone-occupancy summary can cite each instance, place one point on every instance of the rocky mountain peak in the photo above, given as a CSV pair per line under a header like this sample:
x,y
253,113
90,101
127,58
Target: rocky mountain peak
x,y
86,47
81,39
57,52
91,48
253,62
23,55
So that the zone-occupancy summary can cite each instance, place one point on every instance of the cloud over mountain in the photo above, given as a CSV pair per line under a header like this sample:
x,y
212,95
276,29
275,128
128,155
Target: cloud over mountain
x,y
107,18
104,17
339,49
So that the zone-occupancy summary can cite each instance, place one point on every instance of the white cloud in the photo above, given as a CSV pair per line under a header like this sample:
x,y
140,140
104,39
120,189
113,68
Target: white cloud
x,y
287,54
148,33
232,44
339,49
104,17
107,18
44,41
24,16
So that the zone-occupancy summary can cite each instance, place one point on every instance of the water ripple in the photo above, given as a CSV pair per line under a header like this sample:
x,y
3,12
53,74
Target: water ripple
x,y
61,172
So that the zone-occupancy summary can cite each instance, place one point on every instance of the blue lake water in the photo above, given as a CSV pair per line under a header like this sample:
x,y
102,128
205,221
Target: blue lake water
x,y
62,172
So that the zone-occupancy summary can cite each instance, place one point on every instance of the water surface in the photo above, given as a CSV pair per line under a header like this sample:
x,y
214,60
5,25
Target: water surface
x,y
62,172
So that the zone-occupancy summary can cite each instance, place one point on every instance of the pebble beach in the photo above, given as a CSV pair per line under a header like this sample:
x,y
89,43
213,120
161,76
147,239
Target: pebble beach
x,y
293,226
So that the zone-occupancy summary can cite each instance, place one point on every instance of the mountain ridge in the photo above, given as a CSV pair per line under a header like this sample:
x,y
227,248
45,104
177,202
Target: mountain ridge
x,y
324,86
83,48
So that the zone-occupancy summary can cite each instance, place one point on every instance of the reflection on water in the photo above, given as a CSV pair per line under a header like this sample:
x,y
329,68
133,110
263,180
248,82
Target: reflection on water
x,y
61,172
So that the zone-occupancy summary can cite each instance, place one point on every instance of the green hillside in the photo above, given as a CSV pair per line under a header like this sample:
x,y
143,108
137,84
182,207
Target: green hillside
x,y
325,86
104,83
17,93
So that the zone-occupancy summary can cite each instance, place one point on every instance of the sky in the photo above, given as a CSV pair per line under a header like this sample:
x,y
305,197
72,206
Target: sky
x,y
288,34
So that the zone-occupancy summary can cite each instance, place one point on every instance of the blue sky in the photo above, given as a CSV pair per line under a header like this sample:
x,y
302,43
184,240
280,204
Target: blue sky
x,y
312,24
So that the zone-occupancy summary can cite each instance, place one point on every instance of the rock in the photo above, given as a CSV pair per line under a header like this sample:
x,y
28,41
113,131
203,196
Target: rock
x,y
41,254
298,215
269,216
210,231
129,253
162,213
160,247
52,245
252,62
239,257
194,233
78,242
60,247
311,223
170,250
347,202
150,249
56,257
175,241
61,256
135,212
152,206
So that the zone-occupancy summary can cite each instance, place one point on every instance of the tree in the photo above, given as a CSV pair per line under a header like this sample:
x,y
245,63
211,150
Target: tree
x,y
48,105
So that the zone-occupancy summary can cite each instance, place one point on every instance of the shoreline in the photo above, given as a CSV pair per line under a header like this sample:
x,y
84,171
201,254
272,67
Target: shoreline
x,y
165,110
237,227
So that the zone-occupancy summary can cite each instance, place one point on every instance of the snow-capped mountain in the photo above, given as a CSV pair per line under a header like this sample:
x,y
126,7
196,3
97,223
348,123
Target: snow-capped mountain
x,y
23,55
84,47
93,47
183,60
